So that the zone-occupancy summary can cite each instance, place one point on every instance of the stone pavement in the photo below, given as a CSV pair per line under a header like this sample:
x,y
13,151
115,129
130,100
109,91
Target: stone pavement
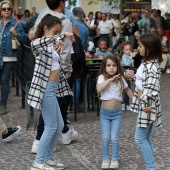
x,y
85,153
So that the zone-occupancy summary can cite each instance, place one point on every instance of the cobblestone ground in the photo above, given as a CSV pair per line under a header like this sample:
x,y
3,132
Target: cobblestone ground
x,y
85,153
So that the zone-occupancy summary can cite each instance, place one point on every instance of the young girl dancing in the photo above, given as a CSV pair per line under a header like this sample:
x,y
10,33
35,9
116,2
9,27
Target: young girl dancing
x,y
47,77
146,100
126,55
110,85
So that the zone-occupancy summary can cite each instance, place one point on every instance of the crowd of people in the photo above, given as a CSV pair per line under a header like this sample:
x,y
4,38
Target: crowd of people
x,y
131,48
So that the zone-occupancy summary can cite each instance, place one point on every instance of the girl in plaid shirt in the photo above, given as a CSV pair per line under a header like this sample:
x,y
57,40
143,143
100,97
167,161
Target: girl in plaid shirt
x,y
110,85
45,83
146,100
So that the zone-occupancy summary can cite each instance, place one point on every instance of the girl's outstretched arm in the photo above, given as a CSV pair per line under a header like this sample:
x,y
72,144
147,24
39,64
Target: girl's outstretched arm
x,y
100,87
129,93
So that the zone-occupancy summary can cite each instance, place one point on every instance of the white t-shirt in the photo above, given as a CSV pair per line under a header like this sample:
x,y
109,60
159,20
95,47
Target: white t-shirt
x,y
138,76
113,90
105,27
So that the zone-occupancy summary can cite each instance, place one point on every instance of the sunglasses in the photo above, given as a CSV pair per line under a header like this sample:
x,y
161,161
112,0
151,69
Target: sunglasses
x,y
6,9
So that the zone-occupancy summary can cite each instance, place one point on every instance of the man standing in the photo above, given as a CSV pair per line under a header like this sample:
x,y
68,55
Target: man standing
x,y
84,34
147,23
105,29
20,14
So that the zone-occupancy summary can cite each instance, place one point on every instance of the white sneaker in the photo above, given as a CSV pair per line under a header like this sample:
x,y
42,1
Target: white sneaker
x,y
55,163
128,107
114,164
123,106
35,145
37,166
105,164
167,70
70,136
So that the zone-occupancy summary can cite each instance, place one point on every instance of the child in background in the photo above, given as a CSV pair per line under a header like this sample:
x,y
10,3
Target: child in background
x,y
126,55
146,100
110,85
48,79
126,62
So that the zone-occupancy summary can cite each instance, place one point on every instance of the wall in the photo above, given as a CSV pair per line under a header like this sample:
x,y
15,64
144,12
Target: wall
x,y
39,4
163,5
87,8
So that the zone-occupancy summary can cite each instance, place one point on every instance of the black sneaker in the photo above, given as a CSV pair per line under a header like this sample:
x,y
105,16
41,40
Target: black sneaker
x,y
12,132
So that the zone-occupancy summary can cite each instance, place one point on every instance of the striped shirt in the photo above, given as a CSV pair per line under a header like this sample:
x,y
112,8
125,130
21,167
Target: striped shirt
x,y
150,96
42,51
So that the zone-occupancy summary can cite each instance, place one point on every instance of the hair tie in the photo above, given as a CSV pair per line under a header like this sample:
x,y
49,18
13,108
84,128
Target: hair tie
x,y
125,43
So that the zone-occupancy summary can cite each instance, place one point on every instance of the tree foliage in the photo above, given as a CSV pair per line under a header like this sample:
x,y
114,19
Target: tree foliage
x,y
97,1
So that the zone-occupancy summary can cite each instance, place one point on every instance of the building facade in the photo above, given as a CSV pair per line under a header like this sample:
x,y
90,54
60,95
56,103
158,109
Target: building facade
x,y
41,4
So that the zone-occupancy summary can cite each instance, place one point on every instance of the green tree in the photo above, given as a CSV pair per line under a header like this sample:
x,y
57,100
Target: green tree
x,y
97,1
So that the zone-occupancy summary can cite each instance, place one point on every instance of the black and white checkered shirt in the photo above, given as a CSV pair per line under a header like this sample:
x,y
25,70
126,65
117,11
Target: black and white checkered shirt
x,y
150,96
42,51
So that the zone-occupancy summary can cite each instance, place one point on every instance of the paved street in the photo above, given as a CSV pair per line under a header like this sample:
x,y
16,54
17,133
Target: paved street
x,y
85,153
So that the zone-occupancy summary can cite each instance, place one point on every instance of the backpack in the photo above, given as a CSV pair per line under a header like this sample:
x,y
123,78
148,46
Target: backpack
x,y
78,59
30,23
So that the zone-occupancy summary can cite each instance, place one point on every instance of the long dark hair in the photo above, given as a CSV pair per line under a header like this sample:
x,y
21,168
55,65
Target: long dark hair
x,y
153,47
48,21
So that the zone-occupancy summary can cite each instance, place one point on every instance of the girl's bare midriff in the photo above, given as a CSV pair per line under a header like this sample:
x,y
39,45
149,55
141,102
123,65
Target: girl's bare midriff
x,y
55,76
111,104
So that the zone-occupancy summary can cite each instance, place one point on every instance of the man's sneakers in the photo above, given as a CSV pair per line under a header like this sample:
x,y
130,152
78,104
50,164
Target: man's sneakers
x,y
35,145
70,136
114,164
12,132
55,164
110,164
3,110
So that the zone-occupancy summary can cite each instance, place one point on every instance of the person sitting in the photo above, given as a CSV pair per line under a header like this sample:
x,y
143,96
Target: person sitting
x,y
126,55
102,51
165,55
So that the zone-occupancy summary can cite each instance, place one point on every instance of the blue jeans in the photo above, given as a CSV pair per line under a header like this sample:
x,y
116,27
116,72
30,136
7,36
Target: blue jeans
x,y
4,80
78,88
143,139
110,124
53,124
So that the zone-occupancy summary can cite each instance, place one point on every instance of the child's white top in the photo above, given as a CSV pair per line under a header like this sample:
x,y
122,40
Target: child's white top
x,y
113,90
138,76
55,60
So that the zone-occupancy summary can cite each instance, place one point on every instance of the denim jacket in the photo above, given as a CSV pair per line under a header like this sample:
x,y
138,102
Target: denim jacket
x,y
7,36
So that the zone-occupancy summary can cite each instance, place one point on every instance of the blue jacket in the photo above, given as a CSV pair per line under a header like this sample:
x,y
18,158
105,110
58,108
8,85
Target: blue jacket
x,y
84,33
127,61
7,36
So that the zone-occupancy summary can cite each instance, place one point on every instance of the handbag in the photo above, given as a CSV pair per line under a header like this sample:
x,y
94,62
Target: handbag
x,y
15,43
